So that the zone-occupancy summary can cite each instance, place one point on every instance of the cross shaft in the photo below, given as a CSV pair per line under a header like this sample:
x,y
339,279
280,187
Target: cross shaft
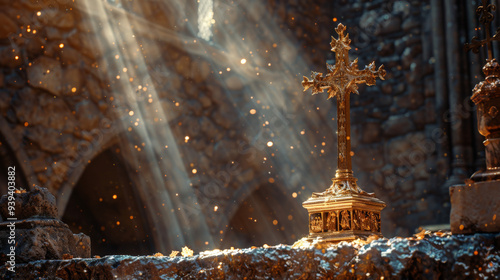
x,y
341,80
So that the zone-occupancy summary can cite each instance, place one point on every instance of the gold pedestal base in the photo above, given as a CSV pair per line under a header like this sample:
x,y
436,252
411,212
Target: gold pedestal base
x,y
343,217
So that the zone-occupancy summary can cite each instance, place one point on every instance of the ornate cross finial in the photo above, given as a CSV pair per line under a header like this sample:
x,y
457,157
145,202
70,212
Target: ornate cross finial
x,y
341,80
485,17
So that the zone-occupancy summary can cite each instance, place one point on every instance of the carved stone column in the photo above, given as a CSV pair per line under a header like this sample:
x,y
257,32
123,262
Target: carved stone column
x,y
475,206
486,96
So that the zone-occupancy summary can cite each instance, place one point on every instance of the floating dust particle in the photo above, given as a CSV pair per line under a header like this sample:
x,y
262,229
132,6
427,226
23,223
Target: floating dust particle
x,y
61,45
275,222
216,208
115,196
294,194
461,227
194,171
270,143
131,113
253,111
243,61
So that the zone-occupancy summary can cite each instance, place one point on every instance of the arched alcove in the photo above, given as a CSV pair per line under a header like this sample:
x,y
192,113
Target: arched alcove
x,y
8,159
269,215
105,205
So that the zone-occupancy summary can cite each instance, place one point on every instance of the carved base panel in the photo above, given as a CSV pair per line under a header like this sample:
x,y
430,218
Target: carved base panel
x,y
337,218
344,220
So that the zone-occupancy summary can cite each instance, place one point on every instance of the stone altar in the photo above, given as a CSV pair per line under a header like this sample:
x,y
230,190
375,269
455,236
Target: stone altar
x,y
424,256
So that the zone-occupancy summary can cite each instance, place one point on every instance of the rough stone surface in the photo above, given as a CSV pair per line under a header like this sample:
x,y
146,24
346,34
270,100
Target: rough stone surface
x,y
36,203
46,73
434,256
475,208
43,239
38,234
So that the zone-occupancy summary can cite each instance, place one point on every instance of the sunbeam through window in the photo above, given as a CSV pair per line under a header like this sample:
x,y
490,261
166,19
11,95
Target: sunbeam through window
x,y
205,18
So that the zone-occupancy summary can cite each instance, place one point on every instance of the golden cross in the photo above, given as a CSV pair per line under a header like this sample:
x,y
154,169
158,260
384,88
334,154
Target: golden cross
x,y
341,80
486,17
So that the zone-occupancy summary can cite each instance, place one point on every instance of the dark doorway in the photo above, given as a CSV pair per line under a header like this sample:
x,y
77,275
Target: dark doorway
x,y
106,206
268,216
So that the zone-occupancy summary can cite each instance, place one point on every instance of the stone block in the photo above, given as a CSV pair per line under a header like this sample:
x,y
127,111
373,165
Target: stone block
x,y
43,239
46,73
33,231
37,203
475,208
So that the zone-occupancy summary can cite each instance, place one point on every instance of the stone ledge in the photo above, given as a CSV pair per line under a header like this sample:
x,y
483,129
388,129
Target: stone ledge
x,y
425,256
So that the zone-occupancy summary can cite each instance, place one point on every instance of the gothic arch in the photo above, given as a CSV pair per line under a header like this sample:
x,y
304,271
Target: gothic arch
x,y
105,205
265,214
102,142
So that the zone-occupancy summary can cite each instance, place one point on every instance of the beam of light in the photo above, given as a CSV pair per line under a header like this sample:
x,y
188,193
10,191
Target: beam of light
x,y
269,65
167,203
205,18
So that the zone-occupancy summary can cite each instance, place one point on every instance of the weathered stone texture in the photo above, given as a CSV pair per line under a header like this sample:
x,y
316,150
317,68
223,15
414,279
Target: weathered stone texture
x,y
475,207
36,231
433,256
37,203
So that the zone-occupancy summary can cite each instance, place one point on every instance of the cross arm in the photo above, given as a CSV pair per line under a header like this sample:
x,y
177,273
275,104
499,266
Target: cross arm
x,y
475,43
366,76
318,84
